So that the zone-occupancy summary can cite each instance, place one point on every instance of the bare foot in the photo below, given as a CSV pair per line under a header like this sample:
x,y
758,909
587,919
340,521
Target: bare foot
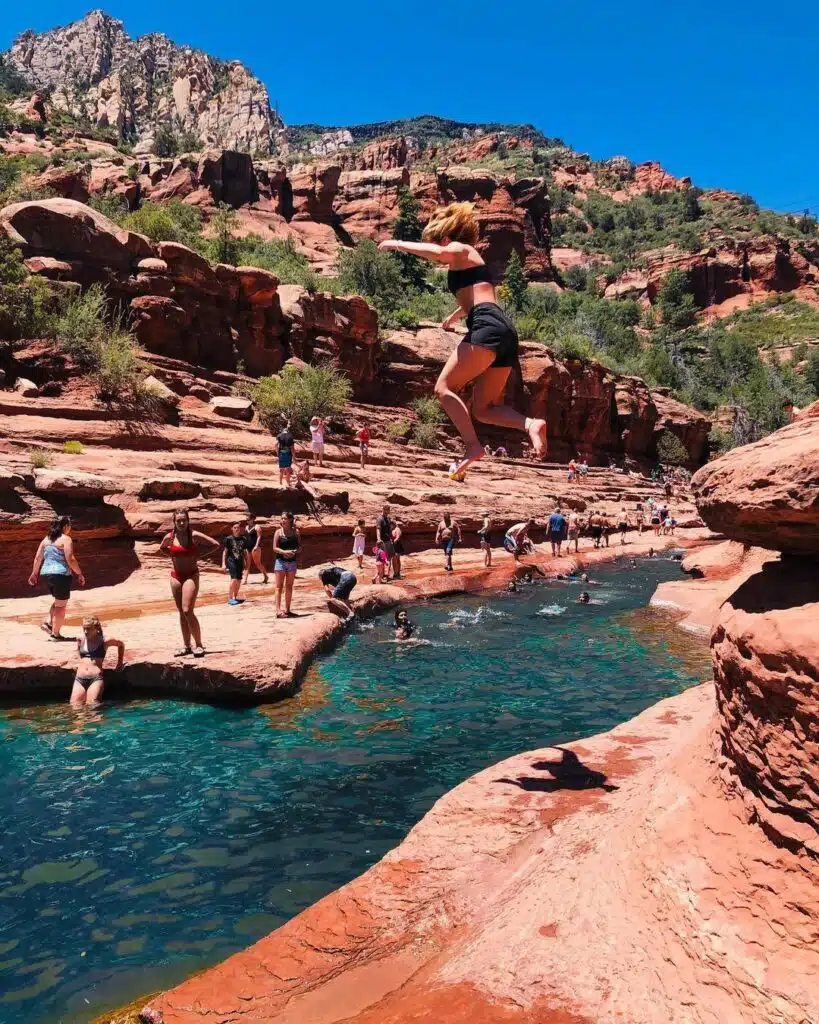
x,y
536,429
472,454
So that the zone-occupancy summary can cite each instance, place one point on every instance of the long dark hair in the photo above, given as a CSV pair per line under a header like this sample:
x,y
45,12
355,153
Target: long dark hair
x,y
182,512
57,526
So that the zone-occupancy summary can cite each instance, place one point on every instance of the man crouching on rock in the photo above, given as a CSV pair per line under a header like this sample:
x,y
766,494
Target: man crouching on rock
x,y
338,585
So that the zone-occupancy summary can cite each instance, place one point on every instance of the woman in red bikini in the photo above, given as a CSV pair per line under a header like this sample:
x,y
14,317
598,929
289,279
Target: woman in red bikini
x,y
182,544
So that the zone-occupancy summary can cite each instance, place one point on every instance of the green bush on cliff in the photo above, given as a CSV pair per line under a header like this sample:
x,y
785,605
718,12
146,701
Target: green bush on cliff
x,y
24,301
425,435
670,450
364,270
280,256
297,394
167,222
428,410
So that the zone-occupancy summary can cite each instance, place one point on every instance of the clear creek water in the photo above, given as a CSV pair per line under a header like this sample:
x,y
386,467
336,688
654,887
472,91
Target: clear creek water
x,y
156,837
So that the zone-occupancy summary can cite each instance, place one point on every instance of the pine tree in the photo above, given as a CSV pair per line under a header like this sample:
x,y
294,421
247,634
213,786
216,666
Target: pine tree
x,y
407,228
515,282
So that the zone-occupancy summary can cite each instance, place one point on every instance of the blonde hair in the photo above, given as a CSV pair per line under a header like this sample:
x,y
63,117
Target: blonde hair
x,y
91,622
457,222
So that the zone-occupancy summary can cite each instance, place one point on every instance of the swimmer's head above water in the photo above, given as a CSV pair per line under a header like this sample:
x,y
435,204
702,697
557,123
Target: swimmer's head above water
x,y
512,586
584,598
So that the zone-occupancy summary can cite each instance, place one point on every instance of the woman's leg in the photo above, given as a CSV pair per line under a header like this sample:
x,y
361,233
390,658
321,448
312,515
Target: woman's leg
x,y
57,616
279,577
257,561
487,396
465,364
78,695
190,588
289,580
93,694
176,590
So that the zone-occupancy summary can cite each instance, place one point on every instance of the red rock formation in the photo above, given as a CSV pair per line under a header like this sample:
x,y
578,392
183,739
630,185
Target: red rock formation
x,y
367,201
766,493
382,155
314,188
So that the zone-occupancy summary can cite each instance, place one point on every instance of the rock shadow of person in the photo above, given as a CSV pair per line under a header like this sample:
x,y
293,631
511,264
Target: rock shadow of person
x,y
567,773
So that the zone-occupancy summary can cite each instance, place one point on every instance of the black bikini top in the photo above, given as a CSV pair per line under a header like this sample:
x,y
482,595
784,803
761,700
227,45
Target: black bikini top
x,y
457,279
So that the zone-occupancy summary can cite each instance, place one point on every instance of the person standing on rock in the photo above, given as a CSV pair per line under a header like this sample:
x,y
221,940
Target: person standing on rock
x,y
485,538
183,544
56,566
285,444
318,428
235,561
253,543
447,536
286,543
383,532
363,437
574,531
398,548
622,525
557,527
489,351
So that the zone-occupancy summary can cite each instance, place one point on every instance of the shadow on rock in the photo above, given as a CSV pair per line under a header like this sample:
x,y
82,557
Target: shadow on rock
x,y
567,773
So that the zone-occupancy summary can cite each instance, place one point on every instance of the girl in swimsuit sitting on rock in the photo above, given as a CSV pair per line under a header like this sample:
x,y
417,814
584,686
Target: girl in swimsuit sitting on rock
x,y
490,349
182,544
92,648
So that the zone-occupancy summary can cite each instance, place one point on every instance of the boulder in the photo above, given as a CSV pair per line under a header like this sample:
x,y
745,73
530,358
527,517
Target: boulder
x,y
232,406
9,479
175,488
26,388
74,484
161,391
765,650
766,494
69,230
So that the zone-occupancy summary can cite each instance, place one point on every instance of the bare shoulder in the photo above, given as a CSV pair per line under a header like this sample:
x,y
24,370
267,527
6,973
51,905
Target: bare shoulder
x,y
462,255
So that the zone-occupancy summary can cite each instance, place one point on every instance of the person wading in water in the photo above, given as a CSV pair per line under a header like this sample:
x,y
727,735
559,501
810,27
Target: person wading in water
x,y
490,350
182,544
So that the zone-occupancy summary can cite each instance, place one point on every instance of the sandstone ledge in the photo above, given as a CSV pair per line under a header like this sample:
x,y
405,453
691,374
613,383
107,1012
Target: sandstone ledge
x,y
252,656
606,880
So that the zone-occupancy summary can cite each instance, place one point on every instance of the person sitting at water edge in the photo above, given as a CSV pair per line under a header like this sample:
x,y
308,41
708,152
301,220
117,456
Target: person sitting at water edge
x,y
182,544
253,543
489,351
235,561
92,648
516,537
359,542
447,536
404,628
284,449
338,585
286,544
56,566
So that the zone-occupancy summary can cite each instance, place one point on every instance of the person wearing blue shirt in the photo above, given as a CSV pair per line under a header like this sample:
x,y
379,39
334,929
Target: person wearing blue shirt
x,y
557,531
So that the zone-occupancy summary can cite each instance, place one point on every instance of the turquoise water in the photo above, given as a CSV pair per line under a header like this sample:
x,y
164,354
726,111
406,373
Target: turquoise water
x,y
157,837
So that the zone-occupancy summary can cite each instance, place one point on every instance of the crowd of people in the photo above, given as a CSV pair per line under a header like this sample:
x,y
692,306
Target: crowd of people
x,y
56,565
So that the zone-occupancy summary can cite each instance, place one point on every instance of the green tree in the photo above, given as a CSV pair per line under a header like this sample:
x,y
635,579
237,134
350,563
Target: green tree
x,y
515,282
407,228
224,245
812,370
670,450
364,270
806,224
675,301
300,393
166,141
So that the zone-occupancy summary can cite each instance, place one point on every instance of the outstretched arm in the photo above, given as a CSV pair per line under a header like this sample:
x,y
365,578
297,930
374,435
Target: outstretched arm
x,y
445,254
38,561
196,535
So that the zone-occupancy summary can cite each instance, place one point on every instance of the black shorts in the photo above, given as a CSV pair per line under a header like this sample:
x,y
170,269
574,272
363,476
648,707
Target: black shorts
x,y
235,568
59,585
596,532
345,585
398,548
489,327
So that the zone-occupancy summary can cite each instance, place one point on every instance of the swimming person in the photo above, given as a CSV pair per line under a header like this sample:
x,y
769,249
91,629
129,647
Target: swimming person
x,y
182,544
485,537
286,542
253,543
490,349
92,648
317,431
447,536
584,598
512,586
359,542
516,537
235,561
56,566
338,585
404,628
284,443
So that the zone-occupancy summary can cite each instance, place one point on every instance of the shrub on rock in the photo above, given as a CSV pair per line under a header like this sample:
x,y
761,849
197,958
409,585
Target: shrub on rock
x,y
298,393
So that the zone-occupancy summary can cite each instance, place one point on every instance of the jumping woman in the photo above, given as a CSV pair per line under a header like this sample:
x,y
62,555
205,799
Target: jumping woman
x,y
56,566
490,349
182,544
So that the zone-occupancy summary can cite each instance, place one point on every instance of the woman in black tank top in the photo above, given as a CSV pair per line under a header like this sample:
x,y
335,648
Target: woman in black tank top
x,y
490,349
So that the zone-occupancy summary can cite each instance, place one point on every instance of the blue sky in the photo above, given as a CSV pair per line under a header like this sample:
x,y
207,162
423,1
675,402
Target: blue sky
x,y
722,92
